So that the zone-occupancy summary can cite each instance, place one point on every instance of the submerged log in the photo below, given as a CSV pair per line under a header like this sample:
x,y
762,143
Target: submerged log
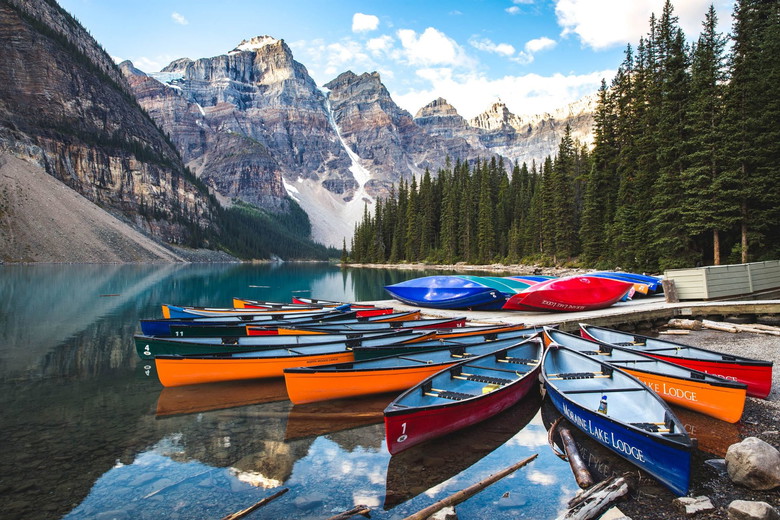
x,y
593,502
464,494
357,510
578,467
244,512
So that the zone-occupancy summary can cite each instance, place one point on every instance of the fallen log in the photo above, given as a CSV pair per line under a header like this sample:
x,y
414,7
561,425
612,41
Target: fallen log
x,y
244,512
714,325
593,502
674,332
464,494
578,467
681,323
357,510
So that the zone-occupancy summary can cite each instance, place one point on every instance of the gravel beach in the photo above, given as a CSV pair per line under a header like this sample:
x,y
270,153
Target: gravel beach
x,y
761,419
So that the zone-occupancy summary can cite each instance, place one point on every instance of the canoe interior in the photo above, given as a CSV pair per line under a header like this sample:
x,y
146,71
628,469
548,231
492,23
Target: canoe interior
x,y
474,378
584,381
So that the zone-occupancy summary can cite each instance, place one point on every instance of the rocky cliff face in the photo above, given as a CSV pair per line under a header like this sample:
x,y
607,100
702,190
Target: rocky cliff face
x,y
65,107
253,125
517,138
244,120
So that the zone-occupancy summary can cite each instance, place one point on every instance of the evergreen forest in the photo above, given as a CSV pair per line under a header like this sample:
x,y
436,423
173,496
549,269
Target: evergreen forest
x,y
684,169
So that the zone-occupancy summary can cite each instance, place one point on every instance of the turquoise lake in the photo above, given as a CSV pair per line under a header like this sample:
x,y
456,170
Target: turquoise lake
x,y
90,433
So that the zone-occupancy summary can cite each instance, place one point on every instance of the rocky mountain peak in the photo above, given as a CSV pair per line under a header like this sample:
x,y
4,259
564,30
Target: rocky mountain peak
x,y
177,65
128,69
437,107
256,43
497,117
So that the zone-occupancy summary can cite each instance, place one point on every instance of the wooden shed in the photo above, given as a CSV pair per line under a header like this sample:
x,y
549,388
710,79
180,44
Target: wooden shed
x,y
723,281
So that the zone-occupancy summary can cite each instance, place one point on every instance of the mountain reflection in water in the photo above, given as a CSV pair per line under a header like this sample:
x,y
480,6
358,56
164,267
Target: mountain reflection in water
x,y
91,433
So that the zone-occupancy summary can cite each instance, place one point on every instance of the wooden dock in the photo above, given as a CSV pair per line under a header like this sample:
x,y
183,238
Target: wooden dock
x,y
642,311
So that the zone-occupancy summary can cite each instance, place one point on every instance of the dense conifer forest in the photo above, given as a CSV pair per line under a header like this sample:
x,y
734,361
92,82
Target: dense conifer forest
x,y
684,171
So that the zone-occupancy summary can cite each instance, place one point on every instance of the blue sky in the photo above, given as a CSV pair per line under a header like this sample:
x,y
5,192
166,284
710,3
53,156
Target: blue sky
x,y
534,55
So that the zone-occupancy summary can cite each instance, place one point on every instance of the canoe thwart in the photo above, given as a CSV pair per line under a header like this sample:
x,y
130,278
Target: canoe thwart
x,y
519,361
581,375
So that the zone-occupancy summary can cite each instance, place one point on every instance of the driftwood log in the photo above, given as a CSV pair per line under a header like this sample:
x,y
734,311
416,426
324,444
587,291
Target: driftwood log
x,y
680,323
593,502
357,510
244,512
464,494
578,467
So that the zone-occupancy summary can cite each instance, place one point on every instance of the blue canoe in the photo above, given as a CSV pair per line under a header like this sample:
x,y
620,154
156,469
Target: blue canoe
x,y
448,292
653,282
637,425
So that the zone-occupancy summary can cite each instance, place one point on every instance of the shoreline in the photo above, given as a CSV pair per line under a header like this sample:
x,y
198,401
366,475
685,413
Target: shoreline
x,y
522,269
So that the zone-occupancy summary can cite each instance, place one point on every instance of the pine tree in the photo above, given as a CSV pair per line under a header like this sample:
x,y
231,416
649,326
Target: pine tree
x,y
710,202
752,111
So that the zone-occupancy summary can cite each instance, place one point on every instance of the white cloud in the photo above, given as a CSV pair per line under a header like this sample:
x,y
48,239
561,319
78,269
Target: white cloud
x,y
178,18
513,10
609,23
380,45
472,93
484,44
364,22
432,47
539,44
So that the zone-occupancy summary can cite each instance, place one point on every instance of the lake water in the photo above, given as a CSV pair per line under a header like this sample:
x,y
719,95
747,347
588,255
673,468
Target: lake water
x,y
90,433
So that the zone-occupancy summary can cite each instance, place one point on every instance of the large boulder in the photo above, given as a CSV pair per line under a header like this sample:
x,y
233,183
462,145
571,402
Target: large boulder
x,y
747,510
754,463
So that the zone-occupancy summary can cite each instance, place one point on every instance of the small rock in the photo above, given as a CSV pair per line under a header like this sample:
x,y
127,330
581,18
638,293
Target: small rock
x,y
747,510
754,463
693,505
448,513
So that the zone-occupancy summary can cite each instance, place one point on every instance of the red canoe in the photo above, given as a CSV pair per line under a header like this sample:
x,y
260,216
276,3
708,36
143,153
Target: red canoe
x,y
462,395
571,293
755,373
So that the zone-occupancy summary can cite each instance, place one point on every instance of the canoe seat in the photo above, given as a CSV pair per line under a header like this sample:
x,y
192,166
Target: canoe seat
x,y
485,379
446,394
577,375
230,340
652,427
519,361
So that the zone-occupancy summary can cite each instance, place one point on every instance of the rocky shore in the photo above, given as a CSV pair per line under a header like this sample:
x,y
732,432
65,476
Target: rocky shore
x,y
761,419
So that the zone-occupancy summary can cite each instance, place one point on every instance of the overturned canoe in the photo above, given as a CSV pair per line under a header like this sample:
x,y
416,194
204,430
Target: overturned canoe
x,y
755,373
447,292
464,394
636,424
571,293
704,393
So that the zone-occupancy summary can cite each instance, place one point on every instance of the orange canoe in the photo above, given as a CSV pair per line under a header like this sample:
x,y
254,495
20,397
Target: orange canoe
x,y
385,374
191,370
698,391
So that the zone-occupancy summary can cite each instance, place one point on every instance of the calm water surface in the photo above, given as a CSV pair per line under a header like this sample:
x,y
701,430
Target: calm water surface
x,y
89,432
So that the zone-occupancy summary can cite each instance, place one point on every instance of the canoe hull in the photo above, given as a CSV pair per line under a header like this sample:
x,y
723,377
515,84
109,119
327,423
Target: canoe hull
x,y
406,430
569,294
720,402
446,292
667,462
304,387
680,386
756,374
179,371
